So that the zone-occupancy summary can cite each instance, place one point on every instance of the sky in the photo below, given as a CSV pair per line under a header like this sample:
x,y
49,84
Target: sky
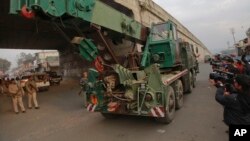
x,y
12,55
211,21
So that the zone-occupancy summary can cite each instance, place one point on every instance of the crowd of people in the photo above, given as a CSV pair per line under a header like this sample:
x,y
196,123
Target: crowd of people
x,y
15,89
233,95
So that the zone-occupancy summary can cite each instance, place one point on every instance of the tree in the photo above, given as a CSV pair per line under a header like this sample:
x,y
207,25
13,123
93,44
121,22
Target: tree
x,y
25,58
4,65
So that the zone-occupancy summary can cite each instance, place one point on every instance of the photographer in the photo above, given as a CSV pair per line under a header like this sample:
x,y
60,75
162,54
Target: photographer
x,y
216,62
236,104
229,65
246,64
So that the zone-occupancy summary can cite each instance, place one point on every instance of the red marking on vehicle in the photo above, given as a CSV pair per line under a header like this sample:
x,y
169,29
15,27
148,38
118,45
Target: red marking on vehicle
x,y
91,107
157,112
98,64
29,14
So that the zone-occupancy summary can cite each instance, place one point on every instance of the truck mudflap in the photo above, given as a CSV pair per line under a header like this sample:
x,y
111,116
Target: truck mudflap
x,y
91,107
157,112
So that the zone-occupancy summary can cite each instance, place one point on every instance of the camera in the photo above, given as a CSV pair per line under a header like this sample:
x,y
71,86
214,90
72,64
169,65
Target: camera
x,y
224,77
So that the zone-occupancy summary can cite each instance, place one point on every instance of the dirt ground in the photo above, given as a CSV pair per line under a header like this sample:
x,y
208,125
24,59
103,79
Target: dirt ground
x,y
63,118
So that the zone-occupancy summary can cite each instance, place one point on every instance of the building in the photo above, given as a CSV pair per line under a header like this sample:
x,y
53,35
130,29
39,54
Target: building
x,y
47,61
242,44
148,12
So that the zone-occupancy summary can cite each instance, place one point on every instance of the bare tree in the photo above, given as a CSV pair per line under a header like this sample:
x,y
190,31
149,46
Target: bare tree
x,y
4,65
25,58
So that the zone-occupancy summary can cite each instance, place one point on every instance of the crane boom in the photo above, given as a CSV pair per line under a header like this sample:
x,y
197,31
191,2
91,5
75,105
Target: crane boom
x,y
90,11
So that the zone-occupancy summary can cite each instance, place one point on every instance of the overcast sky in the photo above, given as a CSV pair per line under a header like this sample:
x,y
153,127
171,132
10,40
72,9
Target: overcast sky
x,y
12,55
211,20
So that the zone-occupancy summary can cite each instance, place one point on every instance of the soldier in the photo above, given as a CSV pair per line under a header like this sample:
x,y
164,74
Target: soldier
x,y
83,83
17,93
31,89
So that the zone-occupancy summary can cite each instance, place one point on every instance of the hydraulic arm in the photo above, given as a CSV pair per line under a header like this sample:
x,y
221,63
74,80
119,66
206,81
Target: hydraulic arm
x,y
93,15
91,11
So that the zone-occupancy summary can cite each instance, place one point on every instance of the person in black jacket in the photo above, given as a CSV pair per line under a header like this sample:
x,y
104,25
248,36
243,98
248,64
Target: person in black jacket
x,y
246,64
236,105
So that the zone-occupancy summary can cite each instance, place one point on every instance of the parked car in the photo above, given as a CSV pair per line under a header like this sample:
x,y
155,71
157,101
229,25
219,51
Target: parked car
x,y
54,77
207,58
42,81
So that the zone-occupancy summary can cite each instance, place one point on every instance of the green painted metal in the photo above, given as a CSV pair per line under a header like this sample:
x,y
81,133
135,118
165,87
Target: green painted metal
x,y
92,11
146,54
161,46
92,75
154,81
95,87
88,50
125,76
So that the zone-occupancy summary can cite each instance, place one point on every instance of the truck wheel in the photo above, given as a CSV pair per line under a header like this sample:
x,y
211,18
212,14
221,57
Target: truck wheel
x,y
109,115
179,94
169,107
190,84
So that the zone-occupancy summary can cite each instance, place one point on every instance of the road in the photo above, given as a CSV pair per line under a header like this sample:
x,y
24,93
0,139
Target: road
x,y
62,118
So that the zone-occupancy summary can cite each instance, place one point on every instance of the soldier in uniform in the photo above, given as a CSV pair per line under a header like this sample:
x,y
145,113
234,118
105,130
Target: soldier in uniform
x,y
17,93
83,83
31,89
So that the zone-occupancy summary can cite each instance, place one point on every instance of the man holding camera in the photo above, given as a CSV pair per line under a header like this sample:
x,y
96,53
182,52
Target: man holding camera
x,y
236,104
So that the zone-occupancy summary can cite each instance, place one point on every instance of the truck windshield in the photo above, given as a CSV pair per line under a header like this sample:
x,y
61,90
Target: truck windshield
x,y
160,32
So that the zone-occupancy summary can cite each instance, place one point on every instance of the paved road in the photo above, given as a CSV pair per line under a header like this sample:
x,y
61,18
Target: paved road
x,y
61,118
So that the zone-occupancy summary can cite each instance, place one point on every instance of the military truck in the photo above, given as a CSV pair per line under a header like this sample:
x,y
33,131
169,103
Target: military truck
x,y
167,70
148,83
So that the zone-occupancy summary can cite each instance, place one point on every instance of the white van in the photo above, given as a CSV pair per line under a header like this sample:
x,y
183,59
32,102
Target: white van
x,y
42,81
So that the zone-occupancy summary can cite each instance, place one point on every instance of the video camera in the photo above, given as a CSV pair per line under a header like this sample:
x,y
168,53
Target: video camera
x,y
216,64
226,79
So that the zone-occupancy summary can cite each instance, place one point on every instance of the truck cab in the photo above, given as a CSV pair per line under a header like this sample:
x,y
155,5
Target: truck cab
x,y
162,46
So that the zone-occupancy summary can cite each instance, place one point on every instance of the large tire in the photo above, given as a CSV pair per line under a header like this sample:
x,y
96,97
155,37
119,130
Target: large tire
x,y
179,94
169,107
